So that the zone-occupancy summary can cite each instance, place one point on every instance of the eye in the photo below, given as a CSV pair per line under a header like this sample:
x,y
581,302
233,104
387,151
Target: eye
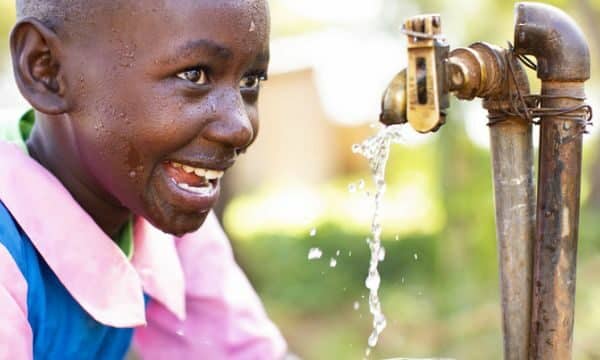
x,y
197,76
251,82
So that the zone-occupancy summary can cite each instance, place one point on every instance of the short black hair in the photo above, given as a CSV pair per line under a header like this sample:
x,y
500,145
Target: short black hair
x,y
55,13
51,12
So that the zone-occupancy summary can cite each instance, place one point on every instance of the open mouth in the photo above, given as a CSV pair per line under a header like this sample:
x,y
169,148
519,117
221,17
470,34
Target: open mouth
x,y
195,180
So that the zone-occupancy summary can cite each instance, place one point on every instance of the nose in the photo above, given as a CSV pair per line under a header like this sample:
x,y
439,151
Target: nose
x,y
231,125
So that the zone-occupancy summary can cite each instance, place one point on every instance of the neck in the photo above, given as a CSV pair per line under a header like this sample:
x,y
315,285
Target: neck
x,y
53,150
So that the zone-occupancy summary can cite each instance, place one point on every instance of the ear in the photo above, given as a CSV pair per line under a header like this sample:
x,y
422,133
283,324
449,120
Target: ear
x,y
36,54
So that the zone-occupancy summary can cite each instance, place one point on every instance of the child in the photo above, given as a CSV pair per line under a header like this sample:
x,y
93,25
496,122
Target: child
x,y
140,107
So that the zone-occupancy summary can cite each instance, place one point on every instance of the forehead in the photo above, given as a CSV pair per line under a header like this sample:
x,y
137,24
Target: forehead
x,y
158,27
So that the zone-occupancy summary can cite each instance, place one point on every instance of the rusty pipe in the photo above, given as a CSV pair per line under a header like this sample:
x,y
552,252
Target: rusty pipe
x,y
512,165
482,70
563,65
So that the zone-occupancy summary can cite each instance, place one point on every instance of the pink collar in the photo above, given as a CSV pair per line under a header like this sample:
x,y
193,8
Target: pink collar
x,y
87,262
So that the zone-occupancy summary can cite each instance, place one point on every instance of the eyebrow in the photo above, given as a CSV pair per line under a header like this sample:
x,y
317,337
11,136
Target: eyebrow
x,y
192,47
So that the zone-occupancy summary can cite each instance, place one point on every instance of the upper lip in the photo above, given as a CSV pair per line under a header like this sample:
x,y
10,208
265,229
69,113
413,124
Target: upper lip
x,y
210,164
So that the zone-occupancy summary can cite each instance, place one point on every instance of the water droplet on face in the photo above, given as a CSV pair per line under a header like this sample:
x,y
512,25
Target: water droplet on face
x,y
132,174
180,332
252,27
332,262
313,232
213,108
314,253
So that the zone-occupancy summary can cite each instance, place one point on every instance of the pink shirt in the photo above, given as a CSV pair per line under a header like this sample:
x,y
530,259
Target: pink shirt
x,y
202,307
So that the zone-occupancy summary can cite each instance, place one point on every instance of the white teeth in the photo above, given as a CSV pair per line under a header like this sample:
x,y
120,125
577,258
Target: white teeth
x,y
188,169
206,173
213,174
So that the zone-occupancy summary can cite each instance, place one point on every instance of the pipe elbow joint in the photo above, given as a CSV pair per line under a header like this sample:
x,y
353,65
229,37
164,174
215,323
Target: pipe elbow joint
x,y
555,40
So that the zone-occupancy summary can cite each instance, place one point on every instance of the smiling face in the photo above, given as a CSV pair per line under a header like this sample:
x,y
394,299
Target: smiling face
x,y
164,98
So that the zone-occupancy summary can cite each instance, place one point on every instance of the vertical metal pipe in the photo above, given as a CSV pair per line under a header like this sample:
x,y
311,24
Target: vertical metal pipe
x,y
484,70
563,65
557,226
512,160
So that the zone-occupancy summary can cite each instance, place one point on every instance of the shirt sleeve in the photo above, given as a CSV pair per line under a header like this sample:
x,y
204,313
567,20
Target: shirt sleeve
x,y
224,317
15,333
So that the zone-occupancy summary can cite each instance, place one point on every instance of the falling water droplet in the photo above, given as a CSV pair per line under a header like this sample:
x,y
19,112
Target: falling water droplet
x,y
337,253
352,188
361,184
416,256
381,253
376,150
332,262
313,232
356,305
356,148
314,253
349,253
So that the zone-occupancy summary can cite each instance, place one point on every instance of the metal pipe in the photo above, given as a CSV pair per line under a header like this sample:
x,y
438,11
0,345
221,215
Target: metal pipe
x,y
512,163
483,70
563,65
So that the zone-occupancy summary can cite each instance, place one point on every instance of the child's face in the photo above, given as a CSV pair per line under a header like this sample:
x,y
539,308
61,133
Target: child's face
x,y
169,83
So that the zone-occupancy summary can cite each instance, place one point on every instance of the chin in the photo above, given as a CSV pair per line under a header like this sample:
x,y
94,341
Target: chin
x,y
179,225
171,221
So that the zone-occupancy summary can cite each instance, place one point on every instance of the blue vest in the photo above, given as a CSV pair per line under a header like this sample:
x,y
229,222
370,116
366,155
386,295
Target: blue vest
x,y
62,329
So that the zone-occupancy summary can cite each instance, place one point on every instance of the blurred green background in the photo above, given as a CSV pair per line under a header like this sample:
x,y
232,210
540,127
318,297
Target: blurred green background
x,y
331,60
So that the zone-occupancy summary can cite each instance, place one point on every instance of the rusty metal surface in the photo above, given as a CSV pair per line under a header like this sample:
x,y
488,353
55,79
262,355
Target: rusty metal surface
x,y
554,39
563,63
512,160
555,251
512,164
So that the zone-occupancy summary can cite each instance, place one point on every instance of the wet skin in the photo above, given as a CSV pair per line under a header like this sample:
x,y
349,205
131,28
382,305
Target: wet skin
x,y
126,91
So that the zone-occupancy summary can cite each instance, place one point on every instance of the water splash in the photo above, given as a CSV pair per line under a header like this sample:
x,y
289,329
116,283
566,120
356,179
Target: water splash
x,y
314,254
376,149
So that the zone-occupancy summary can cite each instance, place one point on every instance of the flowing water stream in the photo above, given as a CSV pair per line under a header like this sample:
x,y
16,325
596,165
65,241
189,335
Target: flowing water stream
x,y
376,150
